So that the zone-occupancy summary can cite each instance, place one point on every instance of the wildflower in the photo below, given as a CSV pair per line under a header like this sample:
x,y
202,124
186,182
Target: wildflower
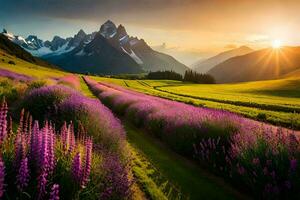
x,y
76,167
116,180
42,182
51,142
3,121
34,143
23,175
54,195
88,160
2,175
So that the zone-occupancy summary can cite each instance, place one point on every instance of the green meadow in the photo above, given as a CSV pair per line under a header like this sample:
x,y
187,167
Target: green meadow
x,y
272,101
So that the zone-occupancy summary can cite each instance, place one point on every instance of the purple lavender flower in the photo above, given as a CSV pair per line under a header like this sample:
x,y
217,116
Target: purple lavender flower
x,y
64,135
54,195
3,121
71,139
34,142
14,75
88,161
44,152
103,124
117,183
20,149
42,183
2,175
23,175
76,168
51,143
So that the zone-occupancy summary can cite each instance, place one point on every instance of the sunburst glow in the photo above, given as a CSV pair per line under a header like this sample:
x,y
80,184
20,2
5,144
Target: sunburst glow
x,y
276,44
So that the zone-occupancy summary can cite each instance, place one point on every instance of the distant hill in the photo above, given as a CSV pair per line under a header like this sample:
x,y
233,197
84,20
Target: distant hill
x,y
293,74
259,65
13,49
120,52
204,66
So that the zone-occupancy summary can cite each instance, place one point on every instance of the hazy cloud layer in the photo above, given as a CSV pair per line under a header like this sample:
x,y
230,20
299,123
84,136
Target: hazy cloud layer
x,y
178,14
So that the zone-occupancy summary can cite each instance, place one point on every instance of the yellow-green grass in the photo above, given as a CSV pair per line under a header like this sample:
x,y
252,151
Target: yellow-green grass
x,y
275,101
27,68
193,182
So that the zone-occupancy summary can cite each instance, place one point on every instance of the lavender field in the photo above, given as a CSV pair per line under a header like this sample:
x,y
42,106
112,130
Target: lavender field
x,y
249,154
57,143
149,100
64,146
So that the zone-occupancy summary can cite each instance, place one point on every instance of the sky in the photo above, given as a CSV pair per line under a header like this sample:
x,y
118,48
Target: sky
x,y
187,29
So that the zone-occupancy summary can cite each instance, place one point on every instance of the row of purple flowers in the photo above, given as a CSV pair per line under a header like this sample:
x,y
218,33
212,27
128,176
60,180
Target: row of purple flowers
x,y
14,75
262,160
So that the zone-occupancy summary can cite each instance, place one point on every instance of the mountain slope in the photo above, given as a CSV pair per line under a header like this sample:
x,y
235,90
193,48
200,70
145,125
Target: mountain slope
x,y
258,65
206,65
97,57
13,49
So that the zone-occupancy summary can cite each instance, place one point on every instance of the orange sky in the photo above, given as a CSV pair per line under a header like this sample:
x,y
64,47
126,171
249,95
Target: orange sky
x,y
196,28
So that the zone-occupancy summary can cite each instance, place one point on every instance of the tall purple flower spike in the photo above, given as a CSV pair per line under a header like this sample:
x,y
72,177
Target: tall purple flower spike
x,y
2,177
76,168
54,195
23,175
88,161
3,121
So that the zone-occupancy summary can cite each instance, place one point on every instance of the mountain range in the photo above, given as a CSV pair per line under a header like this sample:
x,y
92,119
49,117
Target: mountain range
x,y
204,66
262,64
15,50
107,51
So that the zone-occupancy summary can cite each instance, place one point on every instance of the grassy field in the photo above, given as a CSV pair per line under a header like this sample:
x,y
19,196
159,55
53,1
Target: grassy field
x,y
275,101
27,68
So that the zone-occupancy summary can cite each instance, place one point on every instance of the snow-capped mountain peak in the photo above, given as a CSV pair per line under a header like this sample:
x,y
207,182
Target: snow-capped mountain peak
x,y
14,38
108,29
34,42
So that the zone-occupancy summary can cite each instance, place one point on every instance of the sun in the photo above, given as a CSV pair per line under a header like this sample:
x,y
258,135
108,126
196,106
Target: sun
x,y
276,44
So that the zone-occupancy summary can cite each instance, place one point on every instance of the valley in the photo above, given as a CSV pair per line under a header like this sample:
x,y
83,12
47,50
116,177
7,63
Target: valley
x,y
90,110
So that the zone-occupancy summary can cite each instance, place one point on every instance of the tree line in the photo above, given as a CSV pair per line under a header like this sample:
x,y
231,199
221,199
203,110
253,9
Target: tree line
x,y
192,76
189,76
164,75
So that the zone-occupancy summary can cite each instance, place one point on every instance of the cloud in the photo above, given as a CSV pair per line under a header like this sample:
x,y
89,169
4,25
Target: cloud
x,y
164,14
230,46
187,56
